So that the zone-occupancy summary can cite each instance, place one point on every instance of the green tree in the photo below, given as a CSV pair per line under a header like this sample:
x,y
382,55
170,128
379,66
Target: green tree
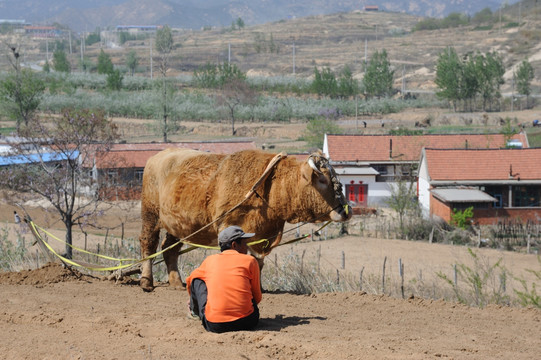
x,y
347,85
449,71
206,76
378,77
490,71
316,130
469,82
167,124
105,64
64,187
124,36
20,92
240,23
524,77
93,38
324,83
114,80
164,46
132,61
228,72
483,16
60,61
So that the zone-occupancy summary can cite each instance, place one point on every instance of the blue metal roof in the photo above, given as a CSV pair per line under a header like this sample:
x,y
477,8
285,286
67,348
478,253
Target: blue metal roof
x,y
34,158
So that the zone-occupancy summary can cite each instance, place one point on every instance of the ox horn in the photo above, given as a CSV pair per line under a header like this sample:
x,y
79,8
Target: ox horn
x,y
313,166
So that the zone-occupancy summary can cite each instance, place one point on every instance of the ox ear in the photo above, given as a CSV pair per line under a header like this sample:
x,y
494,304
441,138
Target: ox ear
x,y
311,176
307,172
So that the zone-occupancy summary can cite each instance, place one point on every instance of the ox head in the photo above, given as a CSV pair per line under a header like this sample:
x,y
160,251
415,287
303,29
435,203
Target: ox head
x,y
321,176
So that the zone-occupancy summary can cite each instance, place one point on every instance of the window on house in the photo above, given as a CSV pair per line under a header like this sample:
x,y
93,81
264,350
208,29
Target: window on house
x,y
138,175
112,176
499,201
526,196
382,169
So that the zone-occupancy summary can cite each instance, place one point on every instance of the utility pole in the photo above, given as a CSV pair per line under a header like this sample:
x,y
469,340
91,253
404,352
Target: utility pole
x,y
293,58
229,54
365,51
403,80
150,58
500,19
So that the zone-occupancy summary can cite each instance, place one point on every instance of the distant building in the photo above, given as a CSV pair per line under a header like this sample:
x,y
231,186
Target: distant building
x,y
13,24
138,28
371,8
43,31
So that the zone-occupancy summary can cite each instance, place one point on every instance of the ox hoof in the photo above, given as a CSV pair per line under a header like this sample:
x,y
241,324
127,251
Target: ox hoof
x,y
146,284
177,285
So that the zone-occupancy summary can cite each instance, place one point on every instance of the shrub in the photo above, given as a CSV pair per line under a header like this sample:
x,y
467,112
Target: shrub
x,y
462,218
485,283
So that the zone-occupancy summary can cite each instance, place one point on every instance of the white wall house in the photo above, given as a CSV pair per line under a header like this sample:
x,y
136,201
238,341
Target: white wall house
x,y
370,166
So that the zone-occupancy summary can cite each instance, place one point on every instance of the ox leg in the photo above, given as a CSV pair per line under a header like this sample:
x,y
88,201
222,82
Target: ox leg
x,y
149,240
171,260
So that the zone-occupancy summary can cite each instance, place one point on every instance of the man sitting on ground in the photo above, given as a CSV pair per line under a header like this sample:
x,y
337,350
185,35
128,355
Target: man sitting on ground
x,y
225,289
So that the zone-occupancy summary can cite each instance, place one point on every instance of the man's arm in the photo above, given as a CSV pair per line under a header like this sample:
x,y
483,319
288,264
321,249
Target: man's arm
x,y
198,273
255,281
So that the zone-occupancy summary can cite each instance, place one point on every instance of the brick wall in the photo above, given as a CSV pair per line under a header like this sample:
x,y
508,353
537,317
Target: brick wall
x,y
440,209
491,216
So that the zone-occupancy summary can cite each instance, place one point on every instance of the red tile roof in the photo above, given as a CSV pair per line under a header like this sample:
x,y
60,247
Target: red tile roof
x,y
483,164
137,154
374,148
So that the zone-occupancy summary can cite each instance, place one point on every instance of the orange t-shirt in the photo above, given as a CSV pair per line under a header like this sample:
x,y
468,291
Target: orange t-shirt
x,y
232,281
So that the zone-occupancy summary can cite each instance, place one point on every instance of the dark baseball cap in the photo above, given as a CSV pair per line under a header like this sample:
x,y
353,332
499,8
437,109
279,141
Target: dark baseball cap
x,y
232,233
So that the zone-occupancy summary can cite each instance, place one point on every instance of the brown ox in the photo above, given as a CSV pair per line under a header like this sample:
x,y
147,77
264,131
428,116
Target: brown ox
x,y
184,190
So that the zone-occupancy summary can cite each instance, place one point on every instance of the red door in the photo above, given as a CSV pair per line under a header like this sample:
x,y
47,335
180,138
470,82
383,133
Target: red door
x,y
357,194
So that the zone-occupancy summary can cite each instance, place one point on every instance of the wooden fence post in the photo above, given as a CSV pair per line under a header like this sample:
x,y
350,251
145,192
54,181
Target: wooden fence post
x,y
318,258
383,277
401,272
361,280
302,260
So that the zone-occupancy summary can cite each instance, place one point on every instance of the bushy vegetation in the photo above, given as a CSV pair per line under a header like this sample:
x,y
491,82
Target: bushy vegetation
x,y
463,79
484,19
481,284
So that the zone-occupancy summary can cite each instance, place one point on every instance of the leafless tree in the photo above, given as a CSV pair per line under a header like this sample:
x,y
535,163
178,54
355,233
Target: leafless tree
x,y
55,162
235,93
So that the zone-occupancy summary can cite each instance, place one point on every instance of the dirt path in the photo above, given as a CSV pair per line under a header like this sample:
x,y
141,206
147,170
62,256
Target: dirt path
x,y
52,314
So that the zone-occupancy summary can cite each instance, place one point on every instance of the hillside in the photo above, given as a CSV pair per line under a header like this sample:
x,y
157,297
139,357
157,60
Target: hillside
x,y
298,45
89,14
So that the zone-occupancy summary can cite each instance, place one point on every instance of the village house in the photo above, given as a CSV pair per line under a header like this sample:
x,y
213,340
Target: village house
x,y
498,183
118,173
370,166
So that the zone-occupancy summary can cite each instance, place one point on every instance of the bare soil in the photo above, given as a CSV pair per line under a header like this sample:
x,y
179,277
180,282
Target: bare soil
x,y
55,313
58,313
